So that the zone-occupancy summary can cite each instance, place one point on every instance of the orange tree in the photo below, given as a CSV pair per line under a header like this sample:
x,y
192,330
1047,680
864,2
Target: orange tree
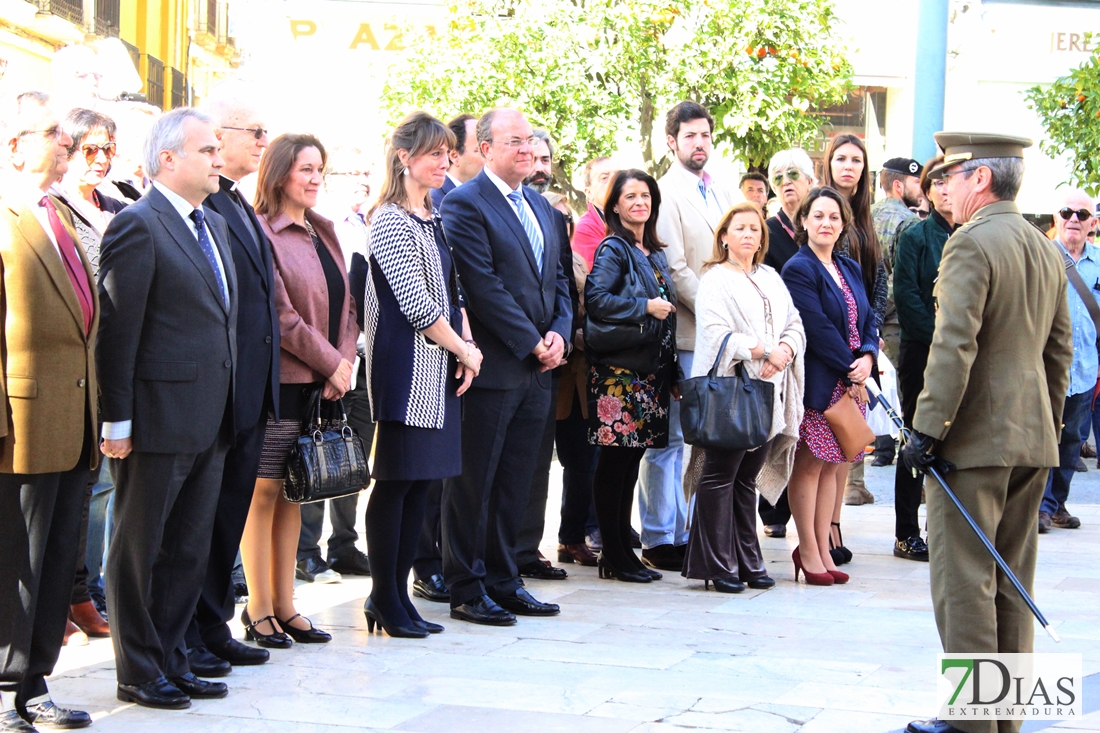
x,y
1070,112
598,72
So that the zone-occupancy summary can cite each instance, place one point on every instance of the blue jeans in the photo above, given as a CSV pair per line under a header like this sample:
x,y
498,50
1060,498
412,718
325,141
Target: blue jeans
x,y
1075,416
101,521
661,504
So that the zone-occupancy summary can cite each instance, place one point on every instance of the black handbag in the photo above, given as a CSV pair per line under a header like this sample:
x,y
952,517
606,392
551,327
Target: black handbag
x,y
731,413
326,464
625,344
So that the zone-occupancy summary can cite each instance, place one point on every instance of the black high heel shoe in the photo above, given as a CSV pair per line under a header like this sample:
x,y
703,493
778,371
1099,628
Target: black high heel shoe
x,y
837,550
277,640
427,626
732,585
311,635
403,632
628,576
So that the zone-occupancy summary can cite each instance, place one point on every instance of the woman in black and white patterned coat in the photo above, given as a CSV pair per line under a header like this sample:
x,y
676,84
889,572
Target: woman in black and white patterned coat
x,y
419,358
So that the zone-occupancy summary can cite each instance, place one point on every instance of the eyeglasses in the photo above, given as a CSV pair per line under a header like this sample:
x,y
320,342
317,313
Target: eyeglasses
x,y
257,132
939,183
1082,214
53,131
947,175
91,151
517,142
791,174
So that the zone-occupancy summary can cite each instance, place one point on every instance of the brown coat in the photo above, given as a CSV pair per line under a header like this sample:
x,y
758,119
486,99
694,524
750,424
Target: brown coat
x,y
48,389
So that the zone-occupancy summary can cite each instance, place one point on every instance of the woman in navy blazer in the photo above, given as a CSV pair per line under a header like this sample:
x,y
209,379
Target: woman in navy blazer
x,y
841,343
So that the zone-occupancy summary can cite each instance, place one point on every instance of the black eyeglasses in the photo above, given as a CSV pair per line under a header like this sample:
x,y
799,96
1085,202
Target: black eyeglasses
x,y
1082,214
257,132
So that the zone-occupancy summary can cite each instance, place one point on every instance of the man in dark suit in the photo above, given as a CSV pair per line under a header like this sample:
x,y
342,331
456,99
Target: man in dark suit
x,y
166,353
211,646
507,250
466,159
47,413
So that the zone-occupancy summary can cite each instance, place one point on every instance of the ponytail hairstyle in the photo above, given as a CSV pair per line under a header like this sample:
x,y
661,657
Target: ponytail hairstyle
x,y
417,134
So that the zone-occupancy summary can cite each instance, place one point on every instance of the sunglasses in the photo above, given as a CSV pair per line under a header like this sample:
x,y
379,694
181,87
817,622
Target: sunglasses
x,y
257,132
91,151
791,174
1082,214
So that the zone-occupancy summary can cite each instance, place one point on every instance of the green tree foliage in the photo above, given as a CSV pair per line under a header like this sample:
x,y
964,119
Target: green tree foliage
x,y
591,71
1070,112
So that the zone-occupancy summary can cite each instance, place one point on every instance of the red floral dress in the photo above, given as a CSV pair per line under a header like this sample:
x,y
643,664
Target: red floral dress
x,y
814,431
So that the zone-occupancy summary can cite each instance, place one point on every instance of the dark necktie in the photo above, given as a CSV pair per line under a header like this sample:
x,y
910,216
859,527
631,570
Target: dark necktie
x,y
235,197
73,265
207,248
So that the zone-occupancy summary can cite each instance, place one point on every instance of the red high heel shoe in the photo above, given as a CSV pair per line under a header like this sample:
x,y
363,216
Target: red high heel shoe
x,y
811,578
838,577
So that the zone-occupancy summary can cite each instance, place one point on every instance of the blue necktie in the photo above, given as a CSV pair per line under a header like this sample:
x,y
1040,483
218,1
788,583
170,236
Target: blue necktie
x,y
534,234
207,248
703,190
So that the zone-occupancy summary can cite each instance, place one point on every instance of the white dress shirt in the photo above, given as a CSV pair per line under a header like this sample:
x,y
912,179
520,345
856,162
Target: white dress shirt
x,y
505,189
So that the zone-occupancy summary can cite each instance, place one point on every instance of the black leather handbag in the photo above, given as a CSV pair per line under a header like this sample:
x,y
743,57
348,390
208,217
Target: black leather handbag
x,y
326,464
731,413
634,344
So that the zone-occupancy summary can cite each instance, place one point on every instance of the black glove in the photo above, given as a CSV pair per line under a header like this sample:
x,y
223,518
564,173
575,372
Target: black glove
x,y
915,456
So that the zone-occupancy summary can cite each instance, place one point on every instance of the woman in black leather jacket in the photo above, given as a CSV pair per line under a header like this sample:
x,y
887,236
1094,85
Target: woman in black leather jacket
x,y
634,372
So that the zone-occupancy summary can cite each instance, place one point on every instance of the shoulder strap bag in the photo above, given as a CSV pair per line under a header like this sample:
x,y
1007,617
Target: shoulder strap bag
x,y
325,464
730,413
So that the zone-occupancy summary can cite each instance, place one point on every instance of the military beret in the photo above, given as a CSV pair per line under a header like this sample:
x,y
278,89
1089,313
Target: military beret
x,y
905,166
959,147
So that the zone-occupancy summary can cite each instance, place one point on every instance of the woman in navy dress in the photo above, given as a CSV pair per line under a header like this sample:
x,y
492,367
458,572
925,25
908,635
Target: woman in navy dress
x,y
841,344
419,360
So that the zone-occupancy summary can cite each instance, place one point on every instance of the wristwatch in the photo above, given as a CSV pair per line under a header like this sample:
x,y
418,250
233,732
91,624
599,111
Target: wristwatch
x,y
767,351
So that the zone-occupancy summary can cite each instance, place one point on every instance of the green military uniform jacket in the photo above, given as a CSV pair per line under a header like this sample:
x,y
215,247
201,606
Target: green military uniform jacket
x,y
998,368
916,266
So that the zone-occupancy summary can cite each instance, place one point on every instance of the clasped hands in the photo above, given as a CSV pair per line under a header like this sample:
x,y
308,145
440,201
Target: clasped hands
x,y
860,371
780,358
550,351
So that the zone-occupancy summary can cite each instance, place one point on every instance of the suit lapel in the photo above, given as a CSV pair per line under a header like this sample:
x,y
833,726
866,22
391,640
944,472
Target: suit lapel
x,y
238,225
186,241
39,241
695,200
503,208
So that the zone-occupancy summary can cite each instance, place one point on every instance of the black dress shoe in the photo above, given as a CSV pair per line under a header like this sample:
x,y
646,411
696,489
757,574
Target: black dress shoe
x,y
542,571
312,635
198,689
882,460
913,548
350,562
775,530
205,663
761,583
11,722
733,585
238,654
158,693
432,588
48,715
663,557
427,626
931,726
523,603
483,610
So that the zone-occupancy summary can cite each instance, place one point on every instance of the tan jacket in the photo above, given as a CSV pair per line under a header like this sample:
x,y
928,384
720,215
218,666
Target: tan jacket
x,y
998,369
48,388
686,227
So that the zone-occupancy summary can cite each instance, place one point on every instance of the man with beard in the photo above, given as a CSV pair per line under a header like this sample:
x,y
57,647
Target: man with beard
x,y
543,170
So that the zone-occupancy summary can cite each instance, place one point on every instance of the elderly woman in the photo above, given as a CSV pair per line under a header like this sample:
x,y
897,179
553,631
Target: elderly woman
x,y
419,359
792,174
318,332
744,300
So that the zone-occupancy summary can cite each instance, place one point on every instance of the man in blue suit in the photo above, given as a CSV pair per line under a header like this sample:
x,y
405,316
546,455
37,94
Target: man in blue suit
x,y
507,251
466,160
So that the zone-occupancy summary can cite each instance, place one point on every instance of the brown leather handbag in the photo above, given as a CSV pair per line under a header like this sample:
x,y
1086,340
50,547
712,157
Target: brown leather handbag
x,y
849,425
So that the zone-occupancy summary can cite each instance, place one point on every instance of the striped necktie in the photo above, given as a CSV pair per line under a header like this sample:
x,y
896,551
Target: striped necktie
x,y
534,234
207,248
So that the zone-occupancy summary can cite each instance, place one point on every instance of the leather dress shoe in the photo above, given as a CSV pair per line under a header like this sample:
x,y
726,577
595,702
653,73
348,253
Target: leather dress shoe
x,y
1062,519
48,715
11,722
315,570
775,530
350,562
663,557
238,654
913,548
73,635
192,686
595,540
731,585
1044,522
523,603
578,553
931,726
483,610
882,460
761,583
88,620
205,663
432,588
158,693
541,571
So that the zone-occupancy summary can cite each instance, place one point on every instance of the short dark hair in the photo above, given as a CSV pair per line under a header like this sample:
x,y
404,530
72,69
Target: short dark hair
x,y
79,122
686,111
754,176
458,127
822,192
615,223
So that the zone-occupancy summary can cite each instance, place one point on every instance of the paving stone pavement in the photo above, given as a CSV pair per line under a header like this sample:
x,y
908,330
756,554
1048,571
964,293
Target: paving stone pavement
x,y
661,658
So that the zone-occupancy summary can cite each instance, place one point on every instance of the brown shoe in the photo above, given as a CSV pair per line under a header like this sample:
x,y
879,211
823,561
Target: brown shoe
x,y
1044,522
857,495
1062,519
578,553
1087,451
88,620
663,557
74,636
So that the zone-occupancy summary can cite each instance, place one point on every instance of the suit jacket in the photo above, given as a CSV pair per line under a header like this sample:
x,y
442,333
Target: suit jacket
x,y
47,378
167,348
510,306
998,368
825,318
438,194
257,380
686,227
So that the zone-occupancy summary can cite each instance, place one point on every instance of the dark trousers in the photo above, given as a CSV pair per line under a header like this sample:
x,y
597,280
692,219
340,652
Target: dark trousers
x,y
1076,412
723,544
778,513
613,494
429,543
39,531
483,507
165,504
912,358
578,463
534,518
216,603
80,592
394,517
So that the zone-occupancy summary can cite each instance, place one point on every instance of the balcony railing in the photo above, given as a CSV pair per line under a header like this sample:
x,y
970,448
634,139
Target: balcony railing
x,y
107,17
70,10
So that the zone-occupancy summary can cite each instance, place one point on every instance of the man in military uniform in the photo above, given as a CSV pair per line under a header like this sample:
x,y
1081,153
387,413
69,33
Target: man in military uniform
x,y
995,384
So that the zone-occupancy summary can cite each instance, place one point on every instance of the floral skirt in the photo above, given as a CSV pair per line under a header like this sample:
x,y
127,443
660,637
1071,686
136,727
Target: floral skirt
x,y
628,410
815,433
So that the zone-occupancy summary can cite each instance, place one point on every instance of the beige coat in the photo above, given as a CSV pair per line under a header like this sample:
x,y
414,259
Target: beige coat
x,y
48,390
998,369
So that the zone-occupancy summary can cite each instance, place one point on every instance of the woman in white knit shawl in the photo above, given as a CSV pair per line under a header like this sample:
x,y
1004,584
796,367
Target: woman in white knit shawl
x,y
741,296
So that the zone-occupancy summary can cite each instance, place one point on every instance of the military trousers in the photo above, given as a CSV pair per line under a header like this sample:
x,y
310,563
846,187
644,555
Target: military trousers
x,y
977,609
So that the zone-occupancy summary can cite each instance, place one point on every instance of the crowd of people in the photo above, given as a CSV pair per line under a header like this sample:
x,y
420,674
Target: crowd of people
x,y
165,345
